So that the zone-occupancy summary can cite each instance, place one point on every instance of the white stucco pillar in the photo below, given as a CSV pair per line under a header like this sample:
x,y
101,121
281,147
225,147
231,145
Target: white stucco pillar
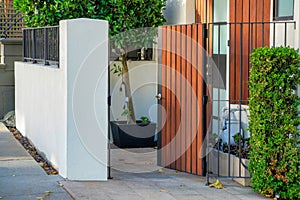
x,y
84,54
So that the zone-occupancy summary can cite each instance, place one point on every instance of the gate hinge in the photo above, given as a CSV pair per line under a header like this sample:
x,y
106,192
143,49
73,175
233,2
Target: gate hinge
x,y
206,33
205,100
228,43
109,100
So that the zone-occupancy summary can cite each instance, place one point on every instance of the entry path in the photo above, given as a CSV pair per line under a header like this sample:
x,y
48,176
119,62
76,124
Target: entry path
x,y
21,178
163,184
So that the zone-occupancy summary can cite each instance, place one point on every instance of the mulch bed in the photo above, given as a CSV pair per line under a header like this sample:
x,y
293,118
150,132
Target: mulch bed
x,y
33,152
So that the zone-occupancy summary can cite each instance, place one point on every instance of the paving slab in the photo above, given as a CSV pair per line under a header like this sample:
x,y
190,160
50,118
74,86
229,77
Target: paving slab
x,y
20,168
164,184
11,149
21,178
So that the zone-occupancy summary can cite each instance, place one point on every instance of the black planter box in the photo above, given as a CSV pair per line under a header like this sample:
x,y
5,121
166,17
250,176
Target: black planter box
x,y
133,135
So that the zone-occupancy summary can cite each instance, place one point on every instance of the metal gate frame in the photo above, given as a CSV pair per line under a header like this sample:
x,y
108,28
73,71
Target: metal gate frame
x,y
243,37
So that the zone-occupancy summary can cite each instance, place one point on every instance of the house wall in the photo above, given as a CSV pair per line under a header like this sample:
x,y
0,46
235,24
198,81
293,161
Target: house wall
x,y
143,80
10,51
293,32
180,12
297,19
63,111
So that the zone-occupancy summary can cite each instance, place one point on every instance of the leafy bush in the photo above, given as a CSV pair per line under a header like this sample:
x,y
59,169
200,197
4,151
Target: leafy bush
x,y
273,104
39,13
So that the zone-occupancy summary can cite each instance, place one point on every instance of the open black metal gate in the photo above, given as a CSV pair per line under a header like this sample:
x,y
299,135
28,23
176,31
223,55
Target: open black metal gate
x,y
228,47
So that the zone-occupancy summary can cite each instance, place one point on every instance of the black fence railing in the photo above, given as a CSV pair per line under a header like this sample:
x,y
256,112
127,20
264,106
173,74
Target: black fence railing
x,y
41,45
229,47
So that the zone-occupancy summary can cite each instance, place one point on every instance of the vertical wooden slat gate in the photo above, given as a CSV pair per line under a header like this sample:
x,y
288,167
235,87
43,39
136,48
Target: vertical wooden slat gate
x,y
185,120
182,86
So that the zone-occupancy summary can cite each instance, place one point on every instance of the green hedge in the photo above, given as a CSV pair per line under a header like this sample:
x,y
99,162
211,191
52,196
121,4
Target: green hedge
x,y
273,103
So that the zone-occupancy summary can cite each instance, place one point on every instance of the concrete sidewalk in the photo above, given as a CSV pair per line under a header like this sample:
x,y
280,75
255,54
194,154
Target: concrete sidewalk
x,y
137,177
168,185
21,178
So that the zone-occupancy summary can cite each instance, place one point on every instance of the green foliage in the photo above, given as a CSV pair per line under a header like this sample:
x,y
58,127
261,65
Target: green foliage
x,y
117,69
125,112
145,120
39,13
273,104
132,22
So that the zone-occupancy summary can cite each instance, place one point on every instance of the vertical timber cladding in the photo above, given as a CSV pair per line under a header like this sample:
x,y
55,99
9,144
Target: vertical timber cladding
x,y
182,83
245,37
203,11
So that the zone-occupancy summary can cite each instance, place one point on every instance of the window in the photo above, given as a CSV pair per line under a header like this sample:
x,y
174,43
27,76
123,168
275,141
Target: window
x,y
283,9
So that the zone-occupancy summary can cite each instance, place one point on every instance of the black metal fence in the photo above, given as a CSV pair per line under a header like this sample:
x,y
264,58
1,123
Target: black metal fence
x,y
229,47
41,45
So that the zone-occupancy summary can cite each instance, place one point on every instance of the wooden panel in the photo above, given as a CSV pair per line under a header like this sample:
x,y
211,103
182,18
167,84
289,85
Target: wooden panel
x,y
243,38
259,18
253,18
188,107
245,48
232,52
182,97
267,17
179,149
200,11
168,100
203,11
164,93
172,94
194,102
199,93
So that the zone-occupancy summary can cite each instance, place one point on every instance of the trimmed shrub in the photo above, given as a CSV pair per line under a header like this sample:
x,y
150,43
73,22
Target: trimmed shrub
x,y
273,104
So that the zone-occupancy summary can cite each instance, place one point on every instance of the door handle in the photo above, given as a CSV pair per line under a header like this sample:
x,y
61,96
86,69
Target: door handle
x,y
158,96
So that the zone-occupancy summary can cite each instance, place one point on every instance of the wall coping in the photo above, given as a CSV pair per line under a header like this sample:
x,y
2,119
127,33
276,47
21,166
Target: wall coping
x,y
11,40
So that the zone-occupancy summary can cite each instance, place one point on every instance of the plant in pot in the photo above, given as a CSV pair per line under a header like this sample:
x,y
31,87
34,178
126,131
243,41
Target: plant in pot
x,y
131,135
133,25
234,153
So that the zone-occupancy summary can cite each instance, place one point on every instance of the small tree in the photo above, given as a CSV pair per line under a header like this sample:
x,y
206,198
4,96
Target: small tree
x,y
132,24
274,120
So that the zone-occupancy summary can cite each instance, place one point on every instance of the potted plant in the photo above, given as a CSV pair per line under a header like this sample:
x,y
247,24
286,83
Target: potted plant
x,y
133,25
229,156
139,134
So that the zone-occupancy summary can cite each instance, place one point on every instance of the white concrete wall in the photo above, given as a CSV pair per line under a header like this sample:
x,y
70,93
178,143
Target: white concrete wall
x,y
64,111
143,80
41,109
180,12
